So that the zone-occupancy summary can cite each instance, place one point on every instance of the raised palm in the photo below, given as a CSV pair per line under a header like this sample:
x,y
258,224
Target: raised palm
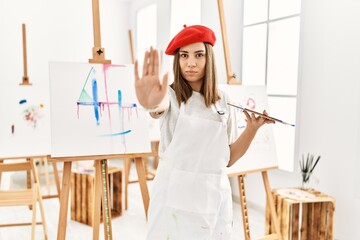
x,y
149,90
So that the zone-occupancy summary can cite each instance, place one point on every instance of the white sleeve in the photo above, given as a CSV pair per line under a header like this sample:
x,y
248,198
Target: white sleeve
x,y
232,128
232,121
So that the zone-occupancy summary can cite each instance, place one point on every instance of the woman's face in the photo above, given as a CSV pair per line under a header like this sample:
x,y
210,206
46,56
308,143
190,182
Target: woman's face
x,y
192,59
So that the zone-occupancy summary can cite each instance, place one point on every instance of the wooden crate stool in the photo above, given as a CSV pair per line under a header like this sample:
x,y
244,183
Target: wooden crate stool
x,y
82,194
303,214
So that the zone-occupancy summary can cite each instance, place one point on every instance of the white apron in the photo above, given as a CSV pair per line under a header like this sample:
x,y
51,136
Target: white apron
x,y
191,195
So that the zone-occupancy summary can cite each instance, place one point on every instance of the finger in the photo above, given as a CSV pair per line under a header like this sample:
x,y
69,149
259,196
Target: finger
x,y
253,115
156,63
265,113
247,115
136,71
145,65
151,62
165,82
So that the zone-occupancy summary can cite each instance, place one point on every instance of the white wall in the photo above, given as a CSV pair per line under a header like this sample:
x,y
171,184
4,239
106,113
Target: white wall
x,y
328,103
58,31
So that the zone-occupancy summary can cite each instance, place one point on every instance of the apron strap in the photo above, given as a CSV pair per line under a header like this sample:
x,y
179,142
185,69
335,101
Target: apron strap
x,y
220,112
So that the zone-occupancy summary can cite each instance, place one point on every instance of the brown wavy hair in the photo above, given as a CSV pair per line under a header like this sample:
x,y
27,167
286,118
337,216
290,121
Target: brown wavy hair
x,y
209,88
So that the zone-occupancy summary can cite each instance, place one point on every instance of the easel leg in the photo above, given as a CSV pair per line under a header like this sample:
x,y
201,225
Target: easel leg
x,y
244,209
142,181
127,163
28,179
1,161
270,199
64,200
57,179
97,199
46,167
106,201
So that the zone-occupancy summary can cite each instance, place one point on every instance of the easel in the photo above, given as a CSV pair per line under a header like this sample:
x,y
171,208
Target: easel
x,y
101,187
26,82
240,176
131,47
56,174
25,78
98,51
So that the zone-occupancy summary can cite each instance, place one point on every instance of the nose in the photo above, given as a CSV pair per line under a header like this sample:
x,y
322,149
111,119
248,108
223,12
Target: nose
x,y
191,62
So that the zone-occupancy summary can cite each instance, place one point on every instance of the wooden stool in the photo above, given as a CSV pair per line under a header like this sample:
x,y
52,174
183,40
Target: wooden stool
x,y
303,214
82,194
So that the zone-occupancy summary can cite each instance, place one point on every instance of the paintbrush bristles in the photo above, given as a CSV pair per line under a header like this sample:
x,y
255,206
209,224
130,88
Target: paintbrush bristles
x,y
308,165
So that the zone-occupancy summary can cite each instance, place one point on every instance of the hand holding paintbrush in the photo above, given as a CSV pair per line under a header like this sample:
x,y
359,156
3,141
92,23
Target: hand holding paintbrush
x,y
261,114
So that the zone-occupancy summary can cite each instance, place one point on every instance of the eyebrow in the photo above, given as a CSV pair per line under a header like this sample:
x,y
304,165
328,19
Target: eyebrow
x,y
198,51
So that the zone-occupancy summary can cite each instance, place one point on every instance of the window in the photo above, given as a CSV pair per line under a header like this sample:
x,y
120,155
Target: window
x,y
270,53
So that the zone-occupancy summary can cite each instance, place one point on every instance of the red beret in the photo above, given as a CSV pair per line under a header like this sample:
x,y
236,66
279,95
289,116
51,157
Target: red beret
x,y
189,35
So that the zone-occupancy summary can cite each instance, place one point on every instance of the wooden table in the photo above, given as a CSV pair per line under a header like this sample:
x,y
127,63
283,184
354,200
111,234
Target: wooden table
x,y
99,162
302,214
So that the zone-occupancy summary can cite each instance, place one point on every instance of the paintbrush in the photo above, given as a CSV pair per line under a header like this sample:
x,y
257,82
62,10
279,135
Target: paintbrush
x,y
261,114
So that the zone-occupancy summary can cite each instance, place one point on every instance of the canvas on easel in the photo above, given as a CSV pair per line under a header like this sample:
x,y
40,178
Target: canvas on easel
x,y
24,121
25,115
95,116
261,154
94,111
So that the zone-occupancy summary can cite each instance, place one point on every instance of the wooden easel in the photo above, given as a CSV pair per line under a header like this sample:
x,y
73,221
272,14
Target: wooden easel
x,y
101,187
56,174
97,51
240,176
131,47
25,78
26,82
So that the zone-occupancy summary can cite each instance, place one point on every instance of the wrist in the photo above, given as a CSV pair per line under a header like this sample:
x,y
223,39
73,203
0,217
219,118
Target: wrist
x,y
251,130
151,109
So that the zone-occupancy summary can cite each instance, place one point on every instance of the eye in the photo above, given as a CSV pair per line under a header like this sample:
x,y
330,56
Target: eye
x,y
183,55
199,55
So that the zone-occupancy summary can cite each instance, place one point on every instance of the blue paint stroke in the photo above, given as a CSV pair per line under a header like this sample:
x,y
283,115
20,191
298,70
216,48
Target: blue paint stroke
x,y
22,101
116,134
89,103
96,103
120,101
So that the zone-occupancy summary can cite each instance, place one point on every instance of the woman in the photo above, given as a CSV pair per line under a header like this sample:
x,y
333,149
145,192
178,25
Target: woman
x,y
191,195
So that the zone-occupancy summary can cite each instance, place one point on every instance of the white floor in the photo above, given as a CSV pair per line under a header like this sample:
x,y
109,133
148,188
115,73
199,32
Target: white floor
x,y
130,226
